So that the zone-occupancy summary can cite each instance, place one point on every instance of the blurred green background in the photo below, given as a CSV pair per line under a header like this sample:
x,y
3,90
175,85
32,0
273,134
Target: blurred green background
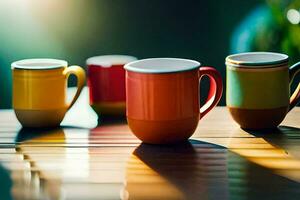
x,y
206,31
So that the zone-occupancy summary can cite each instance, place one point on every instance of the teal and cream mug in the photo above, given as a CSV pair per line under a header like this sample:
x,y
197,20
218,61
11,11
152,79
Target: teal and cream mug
x,y
258,88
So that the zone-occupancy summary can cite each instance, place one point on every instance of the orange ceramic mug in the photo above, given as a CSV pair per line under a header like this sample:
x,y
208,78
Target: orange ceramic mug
x,y
162,98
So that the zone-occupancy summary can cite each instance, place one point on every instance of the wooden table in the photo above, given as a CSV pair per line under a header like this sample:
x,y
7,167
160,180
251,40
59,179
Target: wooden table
x,y
81,161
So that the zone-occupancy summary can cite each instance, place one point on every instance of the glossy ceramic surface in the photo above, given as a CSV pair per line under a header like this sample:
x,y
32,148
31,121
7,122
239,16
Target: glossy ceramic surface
x,y
106,81
258,88
39,95
164,107
253,88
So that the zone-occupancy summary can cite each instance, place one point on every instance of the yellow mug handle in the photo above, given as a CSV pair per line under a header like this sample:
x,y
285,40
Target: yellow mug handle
x,y
80,74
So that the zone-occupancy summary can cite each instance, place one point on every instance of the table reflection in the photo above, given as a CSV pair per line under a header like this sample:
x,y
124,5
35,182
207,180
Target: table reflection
x,y
43,178
108,162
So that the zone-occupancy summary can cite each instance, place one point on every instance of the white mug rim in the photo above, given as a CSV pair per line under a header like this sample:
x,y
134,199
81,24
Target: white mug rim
x,y
170,65
235,60
56,64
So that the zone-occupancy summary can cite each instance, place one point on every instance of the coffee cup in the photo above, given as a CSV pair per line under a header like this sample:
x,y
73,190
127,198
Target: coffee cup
x,y
162,98
258,88
106,81
39,90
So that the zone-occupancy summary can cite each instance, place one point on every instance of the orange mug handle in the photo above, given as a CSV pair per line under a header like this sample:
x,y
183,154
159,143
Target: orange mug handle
x,y
215,90
295,98
80,75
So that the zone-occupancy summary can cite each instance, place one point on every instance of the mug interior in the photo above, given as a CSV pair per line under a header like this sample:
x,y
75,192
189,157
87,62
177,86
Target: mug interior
x,y
109,60
257,59
39,64
162,65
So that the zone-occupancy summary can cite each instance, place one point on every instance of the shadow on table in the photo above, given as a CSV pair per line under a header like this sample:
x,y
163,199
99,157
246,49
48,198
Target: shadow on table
x,y
200,170
284,137
111,120
183,171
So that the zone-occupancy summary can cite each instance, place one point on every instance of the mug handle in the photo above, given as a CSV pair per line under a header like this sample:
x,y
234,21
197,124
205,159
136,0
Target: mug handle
x,y
215,90
295,98
80,75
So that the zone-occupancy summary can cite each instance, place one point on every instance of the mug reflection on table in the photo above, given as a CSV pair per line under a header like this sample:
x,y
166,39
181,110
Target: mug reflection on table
x,y
162,98
39,90
45,179
258,88
106,81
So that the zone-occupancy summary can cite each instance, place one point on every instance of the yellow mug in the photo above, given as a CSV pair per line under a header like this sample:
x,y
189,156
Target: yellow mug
x,y
39,90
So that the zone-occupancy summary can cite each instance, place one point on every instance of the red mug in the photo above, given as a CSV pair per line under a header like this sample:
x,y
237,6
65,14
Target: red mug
x,y
106,81
162,98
